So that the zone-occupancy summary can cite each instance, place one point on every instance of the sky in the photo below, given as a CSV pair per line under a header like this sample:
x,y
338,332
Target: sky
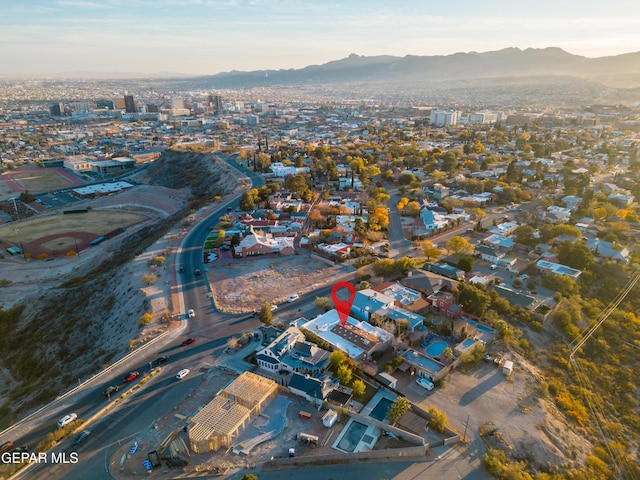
x,y
61,37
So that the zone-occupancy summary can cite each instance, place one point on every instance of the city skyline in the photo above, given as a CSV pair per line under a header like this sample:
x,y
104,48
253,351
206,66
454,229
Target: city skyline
x,y
200,37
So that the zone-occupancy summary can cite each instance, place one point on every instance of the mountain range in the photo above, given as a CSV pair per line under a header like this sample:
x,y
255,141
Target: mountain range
x,y
508,62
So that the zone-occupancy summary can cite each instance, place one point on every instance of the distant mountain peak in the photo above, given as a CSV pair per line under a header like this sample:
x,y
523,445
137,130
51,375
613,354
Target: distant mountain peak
x,y
507,62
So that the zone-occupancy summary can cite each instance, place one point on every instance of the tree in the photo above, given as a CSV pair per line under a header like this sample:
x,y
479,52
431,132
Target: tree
x,y
412,209
149,278
459,244
337,359
402,203
524,235
379,219
429,250
384,268
575,255
358,388
474,299
323,303
344,374
299,185
398,409
406,178
466,264
560,283
26,197
404,264
248,200
265,314
249,476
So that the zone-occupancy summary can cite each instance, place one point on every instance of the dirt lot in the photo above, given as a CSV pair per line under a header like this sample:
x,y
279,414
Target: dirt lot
x,y
242,285
527,425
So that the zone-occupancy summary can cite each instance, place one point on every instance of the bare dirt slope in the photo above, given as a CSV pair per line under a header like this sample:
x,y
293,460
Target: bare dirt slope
x,y
82,313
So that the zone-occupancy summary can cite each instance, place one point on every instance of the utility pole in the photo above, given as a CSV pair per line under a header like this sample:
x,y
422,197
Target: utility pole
x,y
466,425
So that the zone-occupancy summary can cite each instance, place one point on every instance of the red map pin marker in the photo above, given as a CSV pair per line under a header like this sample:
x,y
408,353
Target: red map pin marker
x,y
343,306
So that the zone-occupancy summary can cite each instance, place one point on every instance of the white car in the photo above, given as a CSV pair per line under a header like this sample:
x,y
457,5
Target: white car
x,y
67,419
274,307
494,266
191,313
183,373
293,298
424,383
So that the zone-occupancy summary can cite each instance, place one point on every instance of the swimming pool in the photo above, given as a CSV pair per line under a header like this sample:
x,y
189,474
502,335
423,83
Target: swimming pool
x,y
466,344
352,437
480,327
436,348
484,328
379,412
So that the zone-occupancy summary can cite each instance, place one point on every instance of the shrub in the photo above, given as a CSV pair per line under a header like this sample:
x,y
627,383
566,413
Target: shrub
x,y
438,419
494,460
145,319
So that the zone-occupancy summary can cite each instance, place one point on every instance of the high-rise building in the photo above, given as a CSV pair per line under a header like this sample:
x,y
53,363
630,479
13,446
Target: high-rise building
x,y
177,103
215,103
129,104
442,118
56,110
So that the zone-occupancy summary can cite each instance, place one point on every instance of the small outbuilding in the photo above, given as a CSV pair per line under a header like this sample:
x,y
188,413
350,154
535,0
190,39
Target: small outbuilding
x,y
507,367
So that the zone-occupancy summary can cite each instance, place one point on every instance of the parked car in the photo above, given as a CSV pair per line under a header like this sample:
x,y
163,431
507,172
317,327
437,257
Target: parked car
x,y
6,446
494,266
191,313
161,360
424,383
274,307
80,437
524,276
198,271
67,419
293,298
131,376
110,390
188,341
183,373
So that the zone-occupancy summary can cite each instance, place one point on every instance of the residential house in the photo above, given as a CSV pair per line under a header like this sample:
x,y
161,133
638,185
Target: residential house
x,y
254,244
488,254
338,249
608,250
445,270
290,352
349,183
428,282
545,266
313,389
620,199
357,339
504,229
368,302
433,221
499,242
517,299
445,303
557,214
